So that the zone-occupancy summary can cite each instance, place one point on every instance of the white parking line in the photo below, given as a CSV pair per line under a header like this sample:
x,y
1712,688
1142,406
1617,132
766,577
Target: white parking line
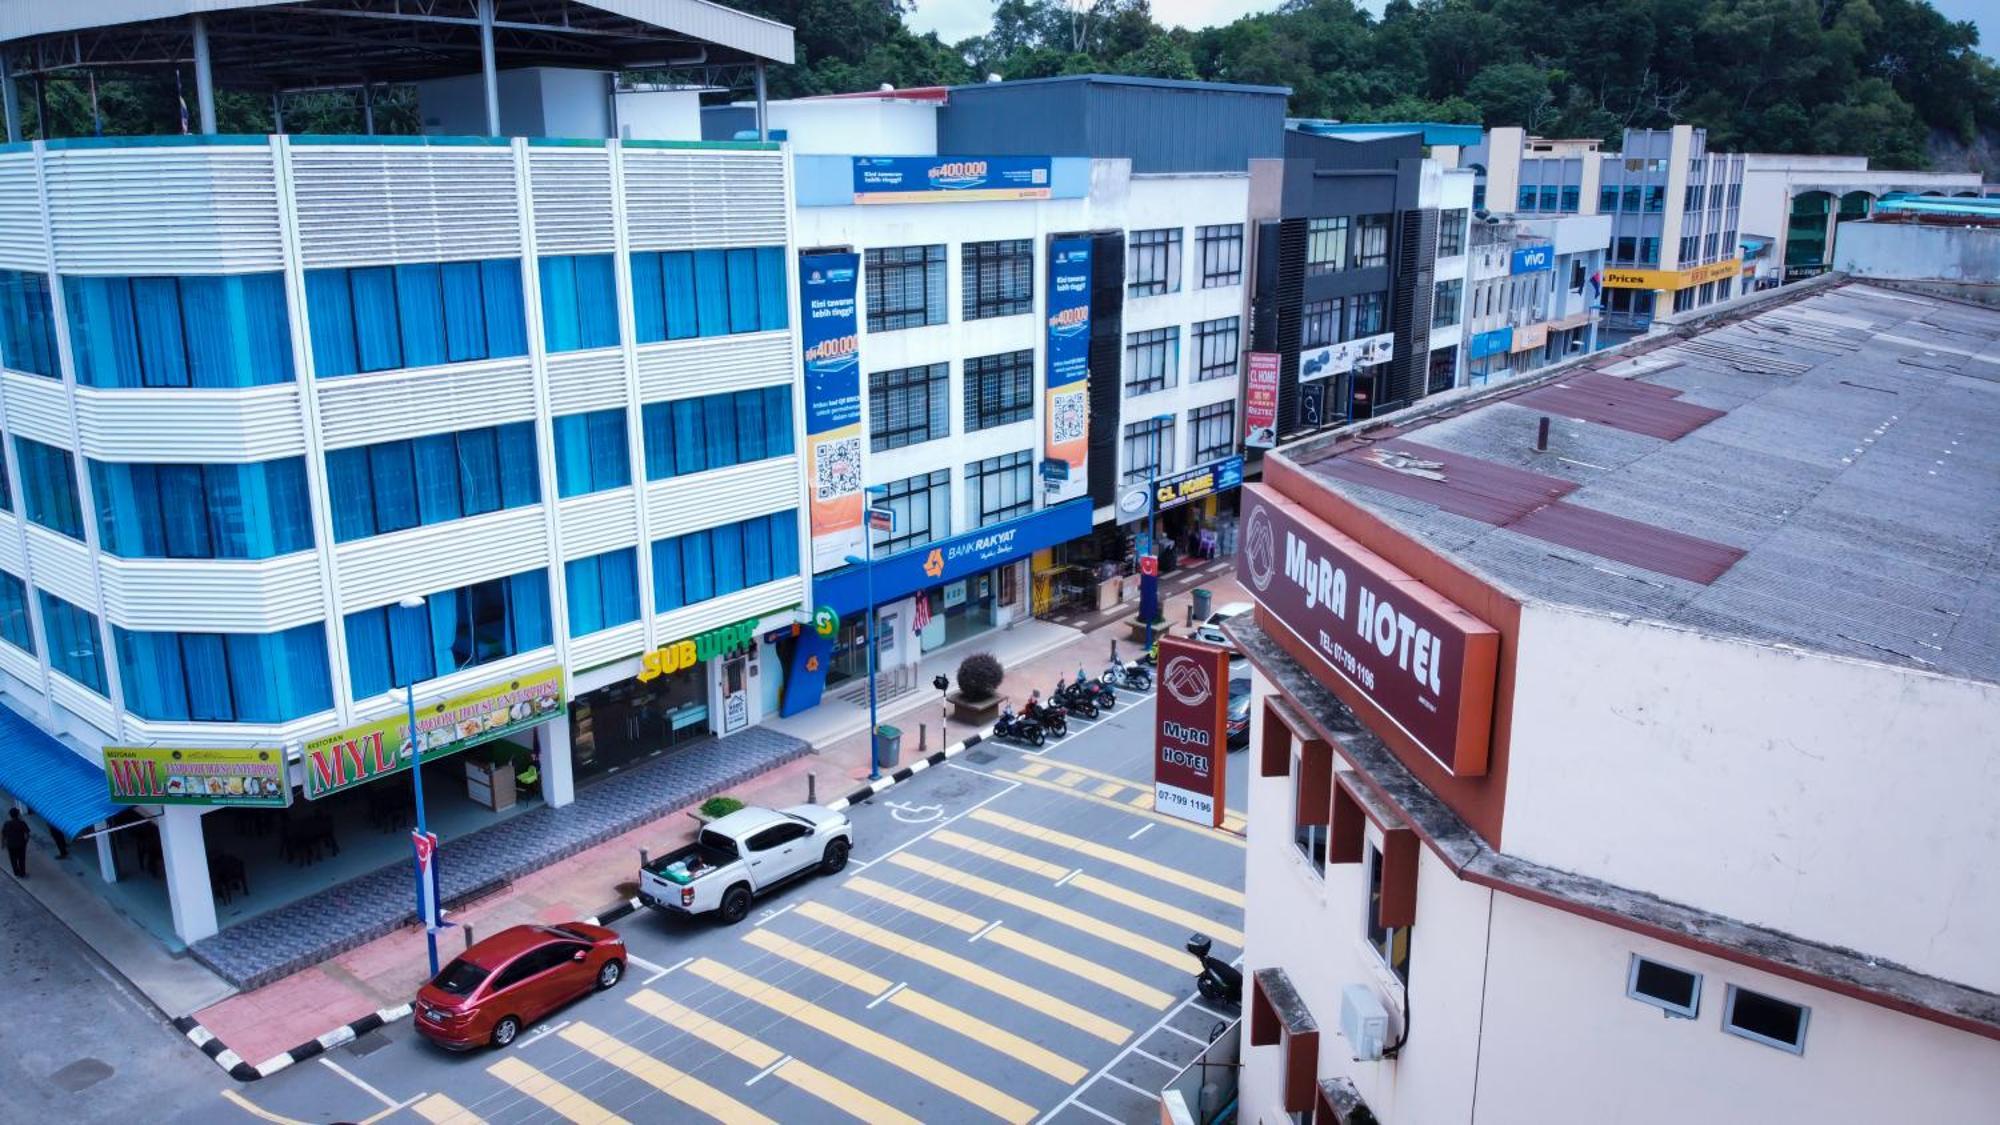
x,y
1074,872
1150,1095
888,992
765,1073
1145,1054
768,915
1183,1034
984,930
1141,831
542,1034
863,865
1096,1113
350,1076
659,972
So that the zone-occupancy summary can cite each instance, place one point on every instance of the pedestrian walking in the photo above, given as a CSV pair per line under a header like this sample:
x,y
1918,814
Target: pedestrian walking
x,y
15,835
61,841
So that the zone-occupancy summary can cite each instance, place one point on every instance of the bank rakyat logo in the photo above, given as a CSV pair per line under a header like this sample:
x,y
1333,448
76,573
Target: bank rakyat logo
x,y
1260,548
1188,681
934,562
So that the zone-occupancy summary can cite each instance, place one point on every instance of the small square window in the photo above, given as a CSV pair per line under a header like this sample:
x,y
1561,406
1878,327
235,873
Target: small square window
x,y
1766,1019
1676,992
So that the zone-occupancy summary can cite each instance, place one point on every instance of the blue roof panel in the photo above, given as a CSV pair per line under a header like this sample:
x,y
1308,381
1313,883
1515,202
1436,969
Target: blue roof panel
x,y
50,778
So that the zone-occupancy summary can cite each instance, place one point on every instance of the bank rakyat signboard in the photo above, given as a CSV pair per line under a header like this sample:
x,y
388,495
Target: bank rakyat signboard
x,y
1395,648
829,340
1198,483
1260,401
226,778
363,753
948,560
1190,726
1337,359
1066,401
950,179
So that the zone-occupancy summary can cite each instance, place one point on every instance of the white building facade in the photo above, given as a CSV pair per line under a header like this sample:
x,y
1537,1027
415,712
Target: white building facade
x,y
1793,206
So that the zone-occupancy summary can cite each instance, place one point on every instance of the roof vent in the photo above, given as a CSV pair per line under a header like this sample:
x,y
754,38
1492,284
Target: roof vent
x,y
1542,435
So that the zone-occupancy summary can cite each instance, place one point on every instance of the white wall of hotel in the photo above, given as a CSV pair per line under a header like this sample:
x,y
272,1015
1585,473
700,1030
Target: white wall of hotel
x,y
1844,802
1772,180
277,206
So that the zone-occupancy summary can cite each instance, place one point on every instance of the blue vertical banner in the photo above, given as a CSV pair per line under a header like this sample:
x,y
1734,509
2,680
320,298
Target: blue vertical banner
x,y
1066,403
830,345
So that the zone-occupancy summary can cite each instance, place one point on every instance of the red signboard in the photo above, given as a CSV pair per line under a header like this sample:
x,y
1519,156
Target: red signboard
x,y
1260,402
1396,649
1188,741
1149,565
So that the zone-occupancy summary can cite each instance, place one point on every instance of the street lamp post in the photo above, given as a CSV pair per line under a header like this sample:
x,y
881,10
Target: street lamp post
x,y
868,570
414,603
1153,510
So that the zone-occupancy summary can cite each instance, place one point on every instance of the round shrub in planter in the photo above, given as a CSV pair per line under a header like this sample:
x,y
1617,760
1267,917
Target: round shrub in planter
x,y
979,677
716,808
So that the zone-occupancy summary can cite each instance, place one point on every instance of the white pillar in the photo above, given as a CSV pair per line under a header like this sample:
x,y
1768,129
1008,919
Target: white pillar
x,y
185,856
487,70
277,112
558,775
204,76
763,130
107,859
10,100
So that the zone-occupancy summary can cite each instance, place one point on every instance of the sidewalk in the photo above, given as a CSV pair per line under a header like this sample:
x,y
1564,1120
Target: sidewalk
x,y
384,973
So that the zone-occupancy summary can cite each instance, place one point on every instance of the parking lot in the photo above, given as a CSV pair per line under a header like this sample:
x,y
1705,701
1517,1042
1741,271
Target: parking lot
x,y
1007,943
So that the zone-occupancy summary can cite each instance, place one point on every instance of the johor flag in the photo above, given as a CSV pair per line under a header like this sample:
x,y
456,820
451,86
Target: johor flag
x,y
921,619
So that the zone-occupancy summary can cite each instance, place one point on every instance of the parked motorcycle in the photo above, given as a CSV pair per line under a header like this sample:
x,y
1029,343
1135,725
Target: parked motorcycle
x,y
1019,728
1082,704
1219,981
1098,690
1131,677
1049,715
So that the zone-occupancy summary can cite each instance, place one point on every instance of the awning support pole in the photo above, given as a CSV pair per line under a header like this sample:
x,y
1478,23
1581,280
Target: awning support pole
x,y
487,69
204,76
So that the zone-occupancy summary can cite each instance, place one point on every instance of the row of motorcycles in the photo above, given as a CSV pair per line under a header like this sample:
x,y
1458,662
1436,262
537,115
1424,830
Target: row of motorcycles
x,y
1083,697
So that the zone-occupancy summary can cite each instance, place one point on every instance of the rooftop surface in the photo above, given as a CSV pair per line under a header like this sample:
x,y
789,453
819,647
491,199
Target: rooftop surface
x,y
1823,472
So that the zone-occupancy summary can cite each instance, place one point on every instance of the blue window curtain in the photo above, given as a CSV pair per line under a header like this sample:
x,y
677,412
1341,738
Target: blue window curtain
x,y
677,273
649,298
16,627
376,489
6,488
773,305
711,291
602,591
225,677
48,487
722,560
725,546
667,587
680,294
756,551
784,543
591,453
70,635
742,266
379,318
253,511
204,331
752,435
579,302
27,324
691,435
389,646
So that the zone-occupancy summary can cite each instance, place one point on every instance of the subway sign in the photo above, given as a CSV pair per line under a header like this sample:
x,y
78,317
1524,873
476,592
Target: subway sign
x,y
682,655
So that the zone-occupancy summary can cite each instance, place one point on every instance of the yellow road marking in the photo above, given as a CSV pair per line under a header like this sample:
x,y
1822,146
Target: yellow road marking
x,y
1134,808
1035,769
551,1093
441,1110
1086,771
1226,895
915,1002
998,854
872,1042
805,1077
1068,777
1109,788
679,1085
1141,800
255,1110
1049,955
976,975
1054,912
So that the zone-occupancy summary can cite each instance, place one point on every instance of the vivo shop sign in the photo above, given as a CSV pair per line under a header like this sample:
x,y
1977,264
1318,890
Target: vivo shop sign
x,y
1397,649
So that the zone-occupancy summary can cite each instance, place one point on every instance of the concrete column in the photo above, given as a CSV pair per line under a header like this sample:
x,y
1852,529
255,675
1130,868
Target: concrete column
x,y
487,69
277,112
368,108
107,858
763,129
204,79
558,772
10,100
185,855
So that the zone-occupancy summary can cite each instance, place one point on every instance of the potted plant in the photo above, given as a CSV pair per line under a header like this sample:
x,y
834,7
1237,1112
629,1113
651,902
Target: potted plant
x,y
977,699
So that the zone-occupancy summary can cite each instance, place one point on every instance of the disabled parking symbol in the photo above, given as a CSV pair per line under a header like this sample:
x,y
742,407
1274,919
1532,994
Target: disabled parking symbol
x,y
914,814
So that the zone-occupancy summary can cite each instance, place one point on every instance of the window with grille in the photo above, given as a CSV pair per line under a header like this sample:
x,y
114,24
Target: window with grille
x,y
1451,233
1214,428
999,389
1445,302
1153,262
1221,255
1216,346
1003,486
1149,449
1326,245
1368,315
1321,323
905,287
999,278
922,505
1371,241
909,405
1152,360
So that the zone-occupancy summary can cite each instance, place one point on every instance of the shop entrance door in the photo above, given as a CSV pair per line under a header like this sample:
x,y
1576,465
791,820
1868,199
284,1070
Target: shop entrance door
x,y
735,694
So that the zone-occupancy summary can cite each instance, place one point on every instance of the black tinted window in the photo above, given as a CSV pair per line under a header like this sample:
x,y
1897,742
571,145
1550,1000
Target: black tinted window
x,y
767,839
460,977
523,967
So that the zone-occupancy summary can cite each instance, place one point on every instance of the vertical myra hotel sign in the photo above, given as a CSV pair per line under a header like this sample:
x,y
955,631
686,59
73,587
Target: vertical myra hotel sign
x,y
1396,648
1192,721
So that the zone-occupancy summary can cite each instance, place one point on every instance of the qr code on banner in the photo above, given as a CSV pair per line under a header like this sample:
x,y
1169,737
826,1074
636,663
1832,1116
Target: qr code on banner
x,y
1070,418
836,468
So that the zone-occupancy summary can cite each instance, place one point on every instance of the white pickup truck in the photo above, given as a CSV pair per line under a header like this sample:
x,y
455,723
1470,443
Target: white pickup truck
x,y
743,855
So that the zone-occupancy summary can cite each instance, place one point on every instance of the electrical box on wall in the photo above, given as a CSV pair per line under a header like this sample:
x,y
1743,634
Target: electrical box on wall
x,y
1364,1021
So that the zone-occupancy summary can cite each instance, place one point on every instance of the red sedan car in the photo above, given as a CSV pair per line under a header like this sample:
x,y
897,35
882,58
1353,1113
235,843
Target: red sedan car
x,y
514,978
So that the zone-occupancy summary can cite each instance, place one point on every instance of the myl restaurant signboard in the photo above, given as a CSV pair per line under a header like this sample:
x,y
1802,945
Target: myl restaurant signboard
x,y
1392,646
1066,403
222,778
830,342
1191,725
950,179
363,753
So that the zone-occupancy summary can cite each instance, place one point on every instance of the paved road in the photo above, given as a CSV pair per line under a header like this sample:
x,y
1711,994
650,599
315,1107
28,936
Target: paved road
x,y
1007,943
76,1044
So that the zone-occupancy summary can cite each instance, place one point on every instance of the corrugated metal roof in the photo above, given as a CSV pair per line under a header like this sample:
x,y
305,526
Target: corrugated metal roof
x,y
1135,80
49,778
1642,408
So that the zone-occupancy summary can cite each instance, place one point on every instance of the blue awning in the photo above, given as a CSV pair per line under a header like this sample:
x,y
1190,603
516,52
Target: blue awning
x,y
50,778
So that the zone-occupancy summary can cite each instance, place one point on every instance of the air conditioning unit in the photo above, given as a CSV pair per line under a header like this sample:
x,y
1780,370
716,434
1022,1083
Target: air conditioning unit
x,y
1364,1021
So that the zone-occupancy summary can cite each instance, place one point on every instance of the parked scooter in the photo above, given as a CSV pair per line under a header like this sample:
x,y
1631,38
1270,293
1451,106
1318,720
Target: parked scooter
x,y
1219,981
1099,690
1081,703
1018,728
1131,677
1048,715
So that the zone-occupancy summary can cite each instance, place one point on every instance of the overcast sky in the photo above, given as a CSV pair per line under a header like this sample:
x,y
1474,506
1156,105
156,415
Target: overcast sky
x,y
954,20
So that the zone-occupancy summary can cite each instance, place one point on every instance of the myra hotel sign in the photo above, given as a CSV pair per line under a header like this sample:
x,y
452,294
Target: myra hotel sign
x,y
1396,649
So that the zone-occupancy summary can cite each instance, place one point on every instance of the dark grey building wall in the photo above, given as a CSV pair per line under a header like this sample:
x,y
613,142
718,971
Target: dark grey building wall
x,y
1159,126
